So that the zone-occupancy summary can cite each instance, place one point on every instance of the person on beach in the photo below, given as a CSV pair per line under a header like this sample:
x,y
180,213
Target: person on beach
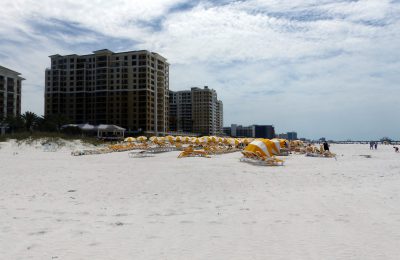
x,y
396,149
371,145
326,146
376,145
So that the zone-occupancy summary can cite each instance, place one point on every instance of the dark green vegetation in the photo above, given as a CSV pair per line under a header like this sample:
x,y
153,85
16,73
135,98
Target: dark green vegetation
x,y
30,127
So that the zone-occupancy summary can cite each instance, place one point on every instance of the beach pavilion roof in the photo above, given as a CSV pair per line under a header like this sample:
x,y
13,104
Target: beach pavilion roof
x,y
83,127
86,127
109,128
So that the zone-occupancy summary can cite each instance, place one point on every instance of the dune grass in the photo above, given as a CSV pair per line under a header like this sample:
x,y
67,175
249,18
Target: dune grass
x,y
53,137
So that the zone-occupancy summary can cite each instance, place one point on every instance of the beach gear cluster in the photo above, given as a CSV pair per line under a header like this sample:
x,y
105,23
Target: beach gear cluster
x,y
259,151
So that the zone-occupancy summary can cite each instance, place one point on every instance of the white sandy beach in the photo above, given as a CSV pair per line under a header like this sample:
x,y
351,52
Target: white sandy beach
x,y
56,206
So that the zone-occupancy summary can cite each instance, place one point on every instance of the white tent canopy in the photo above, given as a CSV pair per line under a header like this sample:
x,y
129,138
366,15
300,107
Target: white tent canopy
x,y
83,127
109,128
110,131
86,127
103,131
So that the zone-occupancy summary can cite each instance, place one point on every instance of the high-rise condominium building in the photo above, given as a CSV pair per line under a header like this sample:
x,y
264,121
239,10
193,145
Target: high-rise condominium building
x,y
196,110
129,89
180,116
10,93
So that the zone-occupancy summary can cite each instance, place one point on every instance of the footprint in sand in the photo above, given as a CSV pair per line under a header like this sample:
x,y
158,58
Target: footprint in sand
x,y
38,233
342,220
186,222
215,222
249,223
121,215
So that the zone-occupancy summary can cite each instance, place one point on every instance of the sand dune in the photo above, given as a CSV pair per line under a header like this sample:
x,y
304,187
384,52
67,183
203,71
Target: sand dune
x,y
56,206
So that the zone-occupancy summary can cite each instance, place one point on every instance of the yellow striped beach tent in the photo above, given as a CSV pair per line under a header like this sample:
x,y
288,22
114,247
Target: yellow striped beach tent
x,y
220,140
130,139
142,138
279,144
265,147
178,138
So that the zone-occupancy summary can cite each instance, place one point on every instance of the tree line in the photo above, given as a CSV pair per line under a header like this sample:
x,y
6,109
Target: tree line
x,y
31,122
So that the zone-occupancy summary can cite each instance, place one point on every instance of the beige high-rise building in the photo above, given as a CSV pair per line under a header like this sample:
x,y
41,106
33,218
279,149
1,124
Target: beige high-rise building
x,y
197,110
10,93
129,89
220,118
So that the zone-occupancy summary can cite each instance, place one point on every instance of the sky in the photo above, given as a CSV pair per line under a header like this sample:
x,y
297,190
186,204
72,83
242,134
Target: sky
x,y
322,68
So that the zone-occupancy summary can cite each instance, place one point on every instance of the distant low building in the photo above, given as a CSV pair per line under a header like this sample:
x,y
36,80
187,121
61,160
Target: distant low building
x,y
254,131
282,136
242,131
264,131
291,135
288,136
227,131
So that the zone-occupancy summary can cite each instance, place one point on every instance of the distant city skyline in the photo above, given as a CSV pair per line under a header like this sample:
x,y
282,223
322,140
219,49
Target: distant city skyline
x,y
321,68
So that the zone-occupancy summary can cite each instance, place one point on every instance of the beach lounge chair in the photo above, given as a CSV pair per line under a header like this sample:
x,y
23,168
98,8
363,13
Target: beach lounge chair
x,y
91,152
324,154
257,158
140,154
163,149
191,152
312,151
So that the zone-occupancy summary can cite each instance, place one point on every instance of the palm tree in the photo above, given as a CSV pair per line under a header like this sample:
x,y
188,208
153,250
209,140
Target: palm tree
x,y
31,120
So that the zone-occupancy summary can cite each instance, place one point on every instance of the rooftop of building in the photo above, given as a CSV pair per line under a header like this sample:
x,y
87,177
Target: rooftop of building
x,y
204,88
10,71
239,126
109,52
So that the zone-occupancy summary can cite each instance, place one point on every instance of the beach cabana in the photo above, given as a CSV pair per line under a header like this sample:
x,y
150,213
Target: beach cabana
x,y
110,132
261,151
